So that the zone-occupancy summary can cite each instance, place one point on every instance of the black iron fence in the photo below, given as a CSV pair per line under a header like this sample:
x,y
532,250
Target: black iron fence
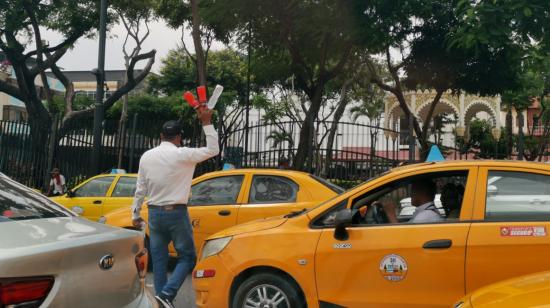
x,y
122,149
345,153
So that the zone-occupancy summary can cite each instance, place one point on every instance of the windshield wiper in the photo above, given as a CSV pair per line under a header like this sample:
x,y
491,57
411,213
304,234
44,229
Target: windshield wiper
x,y
295,213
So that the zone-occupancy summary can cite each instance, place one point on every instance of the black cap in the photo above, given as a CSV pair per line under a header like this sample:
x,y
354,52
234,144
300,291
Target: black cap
x,y
172,128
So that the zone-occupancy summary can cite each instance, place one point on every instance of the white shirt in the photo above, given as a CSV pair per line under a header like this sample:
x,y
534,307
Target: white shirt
x,y
58,188
165,172
426,213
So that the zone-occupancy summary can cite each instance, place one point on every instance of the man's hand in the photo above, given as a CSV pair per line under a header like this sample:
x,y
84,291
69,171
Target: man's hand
x,y
137,222
363,210
205,115
391,211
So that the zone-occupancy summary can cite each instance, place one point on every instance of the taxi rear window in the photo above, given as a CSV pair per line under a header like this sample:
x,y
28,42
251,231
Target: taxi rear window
x,y
18,202
335,188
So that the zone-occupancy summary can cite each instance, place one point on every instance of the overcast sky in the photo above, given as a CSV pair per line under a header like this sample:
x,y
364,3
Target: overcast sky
x,y
84,55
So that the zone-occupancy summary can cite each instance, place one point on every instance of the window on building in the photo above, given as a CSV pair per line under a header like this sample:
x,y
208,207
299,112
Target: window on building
x,y
14,113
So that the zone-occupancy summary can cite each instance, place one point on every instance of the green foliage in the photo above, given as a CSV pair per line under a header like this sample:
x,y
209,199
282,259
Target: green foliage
x,y
302,38
371,103
80,102
178,73
153,111
482,141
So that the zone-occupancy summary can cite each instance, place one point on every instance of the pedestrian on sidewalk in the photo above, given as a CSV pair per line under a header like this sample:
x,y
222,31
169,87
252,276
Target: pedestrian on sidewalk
x,y
57,186
164,177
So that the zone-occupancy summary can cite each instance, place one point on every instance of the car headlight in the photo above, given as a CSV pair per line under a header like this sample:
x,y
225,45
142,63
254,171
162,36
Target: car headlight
x,y
102,220
215,246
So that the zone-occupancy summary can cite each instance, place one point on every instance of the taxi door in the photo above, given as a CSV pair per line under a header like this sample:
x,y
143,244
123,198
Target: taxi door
x,y
122,195
214,205
272,195
509,237
396,265
87,199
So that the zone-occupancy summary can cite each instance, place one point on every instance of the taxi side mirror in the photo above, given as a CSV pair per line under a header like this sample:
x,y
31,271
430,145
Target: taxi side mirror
x,y
70,194
343,219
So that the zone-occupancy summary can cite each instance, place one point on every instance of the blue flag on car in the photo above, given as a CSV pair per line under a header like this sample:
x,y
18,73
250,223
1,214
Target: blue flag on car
x,y
435,154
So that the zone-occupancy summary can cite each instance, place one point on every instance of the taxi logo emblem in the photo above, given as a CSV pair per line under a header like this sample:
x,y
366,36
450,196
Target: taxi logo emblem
x,y
107,262
393,267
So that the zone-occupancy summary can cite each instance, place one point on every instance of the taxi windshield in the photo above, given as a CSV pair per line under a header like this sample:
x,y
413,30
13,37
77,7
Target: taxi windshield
x,y
343,192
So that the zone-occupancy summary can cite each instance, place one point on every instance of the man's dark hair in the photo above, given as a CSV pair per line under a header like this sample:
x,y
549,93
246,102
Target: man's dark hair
x,y
425,186
171,130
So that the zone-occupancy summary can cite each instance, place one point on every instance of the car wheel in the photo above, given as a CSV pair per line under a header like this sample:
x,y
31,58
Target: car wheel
x,y
267,290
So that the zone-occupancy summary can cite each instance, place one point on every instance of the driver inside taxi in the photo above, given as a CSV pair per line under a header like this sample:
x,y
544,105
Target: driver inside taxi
x,y
423,195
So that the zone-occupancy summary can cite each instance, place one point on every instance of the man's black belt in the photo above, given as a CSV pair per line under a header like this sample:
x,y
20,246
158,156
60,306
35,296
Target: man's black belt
x,y
169,207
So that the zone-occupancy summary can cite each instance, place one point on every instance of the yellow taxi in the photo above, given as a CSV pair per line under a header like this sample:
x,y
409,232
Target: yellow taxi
x,y
223,199
100,195
495,226
526,291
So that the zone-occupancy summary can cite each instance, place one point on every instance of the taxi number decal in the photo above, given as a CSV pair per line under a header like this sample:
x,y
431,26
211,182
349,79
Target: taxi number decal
x,y
393,267
535,231
342,246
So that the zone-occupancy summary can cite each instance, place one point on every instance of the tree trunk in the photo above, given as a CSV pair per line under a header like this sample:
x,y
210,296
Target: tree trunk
x,y
199,52
509,132
306,132
122,130
521,136
333,130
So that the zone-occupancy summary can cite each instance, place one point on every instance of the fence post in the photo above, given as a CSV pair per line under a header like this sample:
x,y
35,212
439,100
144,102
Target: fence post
x,y
51,151
132,143
411,138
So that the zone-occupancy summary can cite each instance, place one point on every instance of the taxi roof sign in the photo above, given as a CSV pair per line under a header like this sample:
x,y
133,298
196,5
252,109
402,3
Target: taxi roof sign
x,y
435,154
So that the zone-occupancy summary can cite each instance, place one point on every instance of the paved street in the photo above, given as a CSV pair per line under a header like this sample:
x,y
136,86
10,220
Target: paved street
x,y
186,296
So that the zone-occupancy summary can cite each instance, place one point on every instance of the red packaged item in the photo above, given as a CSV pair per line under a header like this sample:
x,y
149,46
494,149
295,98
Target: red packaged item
x,y
201,92
190,98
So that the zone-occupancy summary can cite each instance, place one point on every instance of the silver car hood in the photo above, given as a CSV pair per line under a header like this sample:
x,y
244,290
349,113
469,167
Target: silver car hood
x,y
36,232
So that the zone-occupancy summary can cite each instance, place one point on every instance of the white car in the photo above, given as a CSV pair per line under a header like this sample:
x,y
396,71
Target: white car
x,y
49,257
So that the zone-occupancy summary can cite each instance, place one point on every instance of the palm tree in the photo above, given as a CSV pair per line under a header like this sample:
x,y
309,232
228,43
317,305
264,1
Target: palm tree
x,y
279,138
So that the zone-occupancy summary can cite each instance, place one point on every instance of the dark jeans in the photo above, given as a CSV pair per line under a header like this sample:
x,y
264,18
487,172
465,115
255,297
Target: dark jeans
x,y
166,226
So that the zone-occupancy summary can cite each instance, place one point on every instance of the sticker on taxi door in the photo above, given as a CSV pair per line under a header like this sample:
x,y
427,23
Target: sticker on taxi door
x,y
523,231
393,267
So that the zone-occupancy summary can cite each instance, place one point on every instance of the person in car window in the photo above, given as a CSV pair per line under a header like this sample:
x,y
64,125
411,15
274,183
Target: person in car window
x,y
451,199
423,194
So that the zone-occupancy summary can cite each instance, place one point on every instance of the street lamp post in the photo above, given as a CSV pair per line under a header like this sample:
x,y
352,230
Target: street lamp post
x,y
100,77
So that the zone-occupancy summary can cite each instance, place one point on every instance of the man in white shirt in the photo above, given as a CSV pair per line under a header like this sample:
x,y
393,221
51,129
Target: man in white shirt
x,y
423,194
164,177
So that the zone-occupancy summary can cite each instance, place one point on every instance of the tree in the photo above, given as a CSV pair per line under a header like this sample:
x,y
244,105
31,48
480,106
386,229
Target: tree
x,y
371,106
134,15
21,24
187,14
225,67
482,142
312,40
520,27
418,32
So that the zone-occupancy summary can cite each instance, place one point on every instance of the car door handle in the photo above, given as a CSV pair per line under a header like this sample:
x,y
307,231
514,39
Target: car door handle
x,y
224,213
438,244
98,202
